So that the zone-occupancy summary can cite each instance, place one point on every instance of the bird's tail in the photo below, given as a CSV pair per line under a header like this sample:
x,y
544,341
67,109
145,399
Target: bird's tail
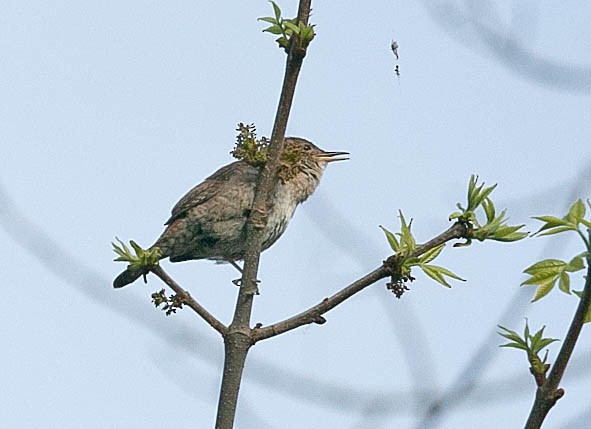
x,y
126,277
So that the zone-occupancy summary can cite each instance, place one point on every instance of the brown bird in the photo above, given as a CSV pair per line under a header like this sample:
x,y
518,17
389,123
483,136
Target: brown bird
x,y
209,221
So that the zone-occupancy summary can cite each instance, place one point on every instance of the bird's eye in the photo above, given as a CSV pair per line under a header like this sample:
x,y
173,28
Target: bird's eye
x,y
307,147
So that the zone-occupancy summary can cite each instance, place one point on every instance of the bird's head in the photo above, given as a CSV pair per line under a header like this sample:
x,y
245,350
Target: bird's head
x,y
301,156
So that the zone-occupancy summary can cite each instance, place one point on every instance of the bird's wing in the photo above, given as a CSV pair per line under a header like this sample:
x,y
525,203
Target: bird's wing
x,y
225,180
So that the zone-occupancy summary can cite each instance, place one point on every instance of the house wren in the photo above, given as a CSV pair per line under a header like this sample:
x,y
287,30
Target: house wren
x,y
209,222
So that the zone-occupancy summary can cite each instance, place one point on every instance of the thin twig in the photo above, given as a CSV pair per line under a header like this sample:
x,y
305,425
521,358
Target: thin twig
x,y
549,393
314,314
189,301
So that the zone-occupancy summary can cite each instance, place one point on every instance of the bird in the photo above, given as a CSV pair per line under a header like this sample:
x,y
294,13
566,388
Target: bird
x,y
209,221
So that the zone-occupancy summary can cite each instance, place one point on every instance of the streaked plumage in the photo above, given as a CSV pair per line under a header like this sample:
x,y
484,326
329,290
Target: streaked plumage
x,y
209,221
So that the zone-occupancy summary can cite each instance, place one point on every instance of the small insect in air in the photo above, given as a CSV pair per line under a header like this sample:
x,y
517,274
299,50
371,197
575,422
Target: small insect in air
x,y
394,48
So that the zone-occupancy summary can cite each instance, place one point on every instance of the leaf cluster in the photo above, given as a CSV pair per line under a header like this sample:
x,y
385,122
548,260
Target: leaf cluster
x,y
574,220
404,245
545,274
248,148
142,261
532,344
288,29
549,272
495,227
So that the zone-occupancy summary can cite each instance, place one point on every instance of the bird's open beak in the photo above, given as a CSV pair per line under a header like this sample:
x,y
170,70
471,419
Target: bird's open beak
x,y
333,156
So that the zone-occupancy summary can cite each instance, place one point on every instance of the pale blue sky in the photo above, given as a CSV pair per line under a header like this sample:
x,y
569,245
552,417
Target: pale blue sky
x,y
111,111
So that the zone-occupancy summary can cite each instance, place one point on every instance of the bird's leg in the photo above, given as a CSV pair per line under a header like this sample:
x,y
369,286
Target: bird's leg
x,y
238,282
235,265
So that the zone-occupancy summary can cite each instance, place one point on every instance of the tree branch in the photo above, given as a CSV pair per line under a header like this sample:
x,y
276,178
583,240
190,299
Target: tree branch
x,y
457,230
314,314
549,393
238,339
190,301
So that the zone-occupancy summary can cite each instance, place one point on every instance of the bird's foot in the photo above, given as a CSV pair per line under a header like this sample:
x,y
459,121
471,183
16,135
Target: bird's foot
x,y
238,282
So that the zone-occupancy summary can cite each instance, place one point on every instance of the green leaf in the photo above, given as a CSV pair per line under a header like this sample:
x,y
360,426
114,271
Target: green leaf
x,y
142,260
268,19
515,236
392,240
476,194
275,29
514,345
506,230
294,28
454,215
495,227
550,222
509,334
575,264
410,262
489,209
407,241
472,185
543,290
122,250
538,342
306,33
508,233
282,41
556,265
432,272
542,276
537,336
448,273
136,247
436,273
483,195
277,11
576,212
545,342
472,202
531,344
556,230
431,254
516,341
564,283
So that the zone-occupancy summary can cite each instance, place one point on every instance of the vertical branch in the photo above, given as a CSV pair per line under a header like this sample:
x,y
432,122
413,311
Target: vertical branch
x,y
238,338
268,178
549,392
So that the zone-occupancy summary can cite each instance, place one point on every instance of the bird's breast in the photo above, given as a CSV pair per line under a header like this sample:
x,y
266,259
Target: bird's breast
x,y
284,205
